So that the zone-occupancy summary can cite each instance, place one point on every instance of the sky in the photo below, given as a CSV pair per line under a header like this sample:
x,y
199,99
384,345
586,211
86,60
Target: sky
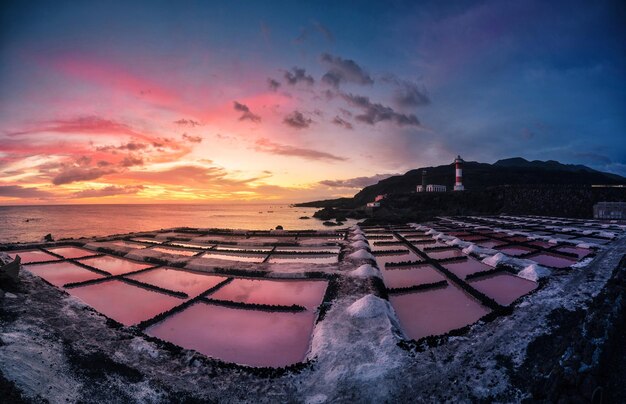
x,y
202,101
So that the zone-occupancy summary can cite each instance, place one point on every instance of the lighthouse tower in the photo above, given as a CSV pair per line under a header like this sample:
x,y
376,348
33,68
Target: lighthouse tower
x,y
458,186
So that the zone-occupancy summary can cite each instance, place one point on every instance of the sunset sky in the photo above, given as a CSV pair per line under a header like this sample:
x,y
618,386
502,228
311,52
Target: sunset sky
x,y
111,102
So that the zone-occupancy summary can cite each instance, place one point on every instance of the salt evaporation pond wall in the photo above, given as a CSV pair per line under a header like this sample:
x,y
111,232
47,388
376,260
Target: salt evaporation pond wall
x,y
504,288
552,260
466,267
178,280
61,273
306,293
114,266
436,311
30,256
412,276
72,252
125,303
248,337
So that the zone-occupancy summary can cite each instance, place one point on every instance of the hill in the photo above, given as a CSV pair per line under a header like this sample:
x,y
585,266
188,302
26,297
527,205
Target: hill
x,y
481,176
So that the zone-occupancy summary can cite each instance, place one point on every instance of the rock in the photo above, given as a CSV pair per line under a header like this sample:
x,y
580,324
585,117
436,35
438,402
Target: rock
x,y
329,223
48,237
304,217
279,227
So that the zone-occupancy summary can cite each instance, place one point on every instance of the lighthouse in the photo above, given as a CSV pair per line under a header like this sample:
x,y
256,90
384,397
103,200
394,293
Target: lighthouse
x,y
458,186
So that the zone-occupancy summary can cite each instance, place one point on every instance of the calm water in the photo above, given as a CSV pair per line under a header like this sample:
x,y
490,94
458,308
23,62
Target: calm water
x,y
31,223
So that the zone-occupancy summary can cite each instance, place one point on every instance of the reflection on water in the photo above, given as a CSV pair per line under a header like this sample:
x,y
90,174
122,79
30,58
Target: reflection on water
x,y
307,293
71,252
552,260
61,273
504,288
178,280
114,266
29,256
418,275
436,311
125,303
101,220
249,337
466,267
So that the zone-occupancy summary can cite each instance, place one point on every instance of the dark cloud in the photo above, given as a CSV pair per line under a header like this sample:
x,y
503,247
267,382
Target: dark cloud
x,y
16,191
358,182
267,146
130,146
345,112
187,122
343,70
77,174
130,161
247,114
298,75
373,113
192,139
83,161
108,191
407,94
273,84
342,122
297,120
81,125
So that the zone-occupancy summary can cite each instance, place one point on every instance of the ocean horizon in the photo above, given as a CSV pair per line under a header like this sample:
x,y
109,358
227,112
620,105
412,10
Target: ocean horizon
x,y
30,223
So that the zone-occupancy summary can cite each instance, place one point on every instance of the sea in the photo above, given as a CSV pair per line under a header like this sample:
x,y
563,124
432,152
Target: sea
x,y
32,223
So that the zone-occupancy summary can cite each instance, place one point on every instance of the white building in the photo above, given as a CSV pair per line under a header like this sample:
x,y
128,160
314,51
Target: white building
x,y
373,204
432,188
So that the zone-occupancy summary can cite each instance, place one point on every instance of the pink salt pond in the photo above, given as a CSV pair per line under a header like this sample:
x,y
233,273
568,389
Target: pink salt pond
x,y
125,303
580,252
504,288
235,256
31,256
113,265
248,337
383,260
175,251
72,252
306,293
490,243
61,273
413,276
552,260
178,280
467,267
436,311
515,250
443,254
